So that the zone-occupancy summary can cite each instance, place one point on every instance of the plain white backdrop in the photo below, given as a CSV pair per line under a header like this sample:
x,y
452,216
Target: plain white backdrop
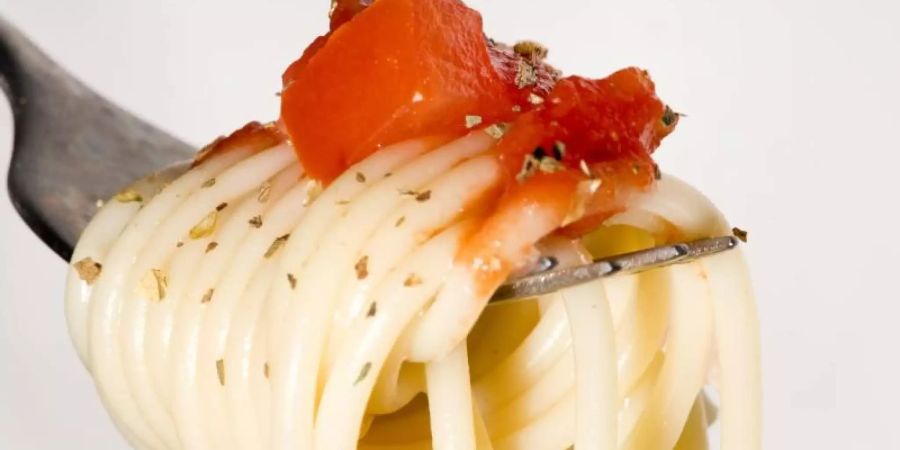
x,y
792,106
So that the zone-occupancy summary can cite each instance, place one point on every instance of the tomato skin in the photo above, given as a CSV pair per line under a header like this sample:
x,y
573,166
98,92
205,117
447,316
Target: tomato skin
x,y
254,136
341,12
344,10
294,70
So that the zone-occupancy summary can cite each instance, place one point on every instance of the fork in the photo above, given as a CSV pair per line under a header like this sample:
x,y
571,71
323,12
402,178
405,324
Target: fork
x,y
72,147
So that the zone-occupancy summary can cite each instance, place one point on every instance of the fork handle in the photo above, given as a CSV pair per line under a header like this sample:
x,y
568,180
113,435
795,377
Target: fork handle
x,y
71,147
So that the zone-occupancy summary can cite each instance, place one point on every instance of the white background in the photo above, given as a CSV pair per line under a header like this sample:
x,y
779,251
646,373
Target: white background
x,y
793,111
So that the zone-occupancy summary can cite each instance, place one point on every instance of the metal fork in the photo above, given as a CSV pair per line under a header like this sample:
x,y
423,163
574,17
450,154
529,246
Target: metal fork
x,y
72,147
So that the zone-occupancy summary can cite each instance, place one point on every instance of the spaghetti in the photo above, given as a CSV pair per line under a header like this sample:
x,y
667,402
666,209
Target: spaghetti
x,y
257,301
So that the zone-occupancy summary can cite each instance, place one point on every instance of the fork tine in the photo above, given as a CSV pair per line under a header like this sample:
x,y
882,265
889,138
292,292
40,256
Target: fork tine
x,y
554,280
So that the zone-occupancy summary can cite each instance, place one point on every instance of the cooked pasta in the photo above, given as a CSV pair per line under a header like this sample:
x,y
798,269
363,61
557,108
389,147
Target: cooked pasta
x,y
256,301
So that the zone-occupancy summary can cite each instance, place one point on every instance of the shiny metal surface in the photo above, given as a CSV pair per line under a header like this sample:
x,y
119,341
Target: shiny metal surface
x,y
71,146
553,280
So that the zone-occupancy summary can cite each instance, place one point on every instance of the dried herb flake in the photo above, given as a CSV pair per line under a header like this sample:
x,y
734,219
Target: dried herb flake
x,y
292,280
496,130
205,227
412,280
550,165
423,196
88,270
362,267
559,150
585,169
529,165
526,75
154,284
128,195
313,190
530,49
363,372
669,117
276,244
740,234
220,371
265,190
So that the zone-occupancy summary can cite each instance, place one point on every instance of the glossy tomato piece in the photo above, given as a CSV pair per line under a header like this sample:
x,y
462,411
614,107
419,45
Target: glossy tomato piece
x,y
608,119
522,66
400,69
605,130
612,119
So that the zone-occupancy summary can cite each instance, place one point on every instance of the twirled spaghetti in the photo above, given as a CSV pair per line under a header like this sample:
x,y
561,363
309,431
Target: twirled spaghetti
x,y
254,301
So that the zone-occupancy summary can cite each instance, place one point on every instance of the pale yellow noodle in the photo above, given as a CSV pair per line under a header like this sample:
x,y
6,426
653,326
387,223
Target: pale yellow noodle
x,y
299,348
336,318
